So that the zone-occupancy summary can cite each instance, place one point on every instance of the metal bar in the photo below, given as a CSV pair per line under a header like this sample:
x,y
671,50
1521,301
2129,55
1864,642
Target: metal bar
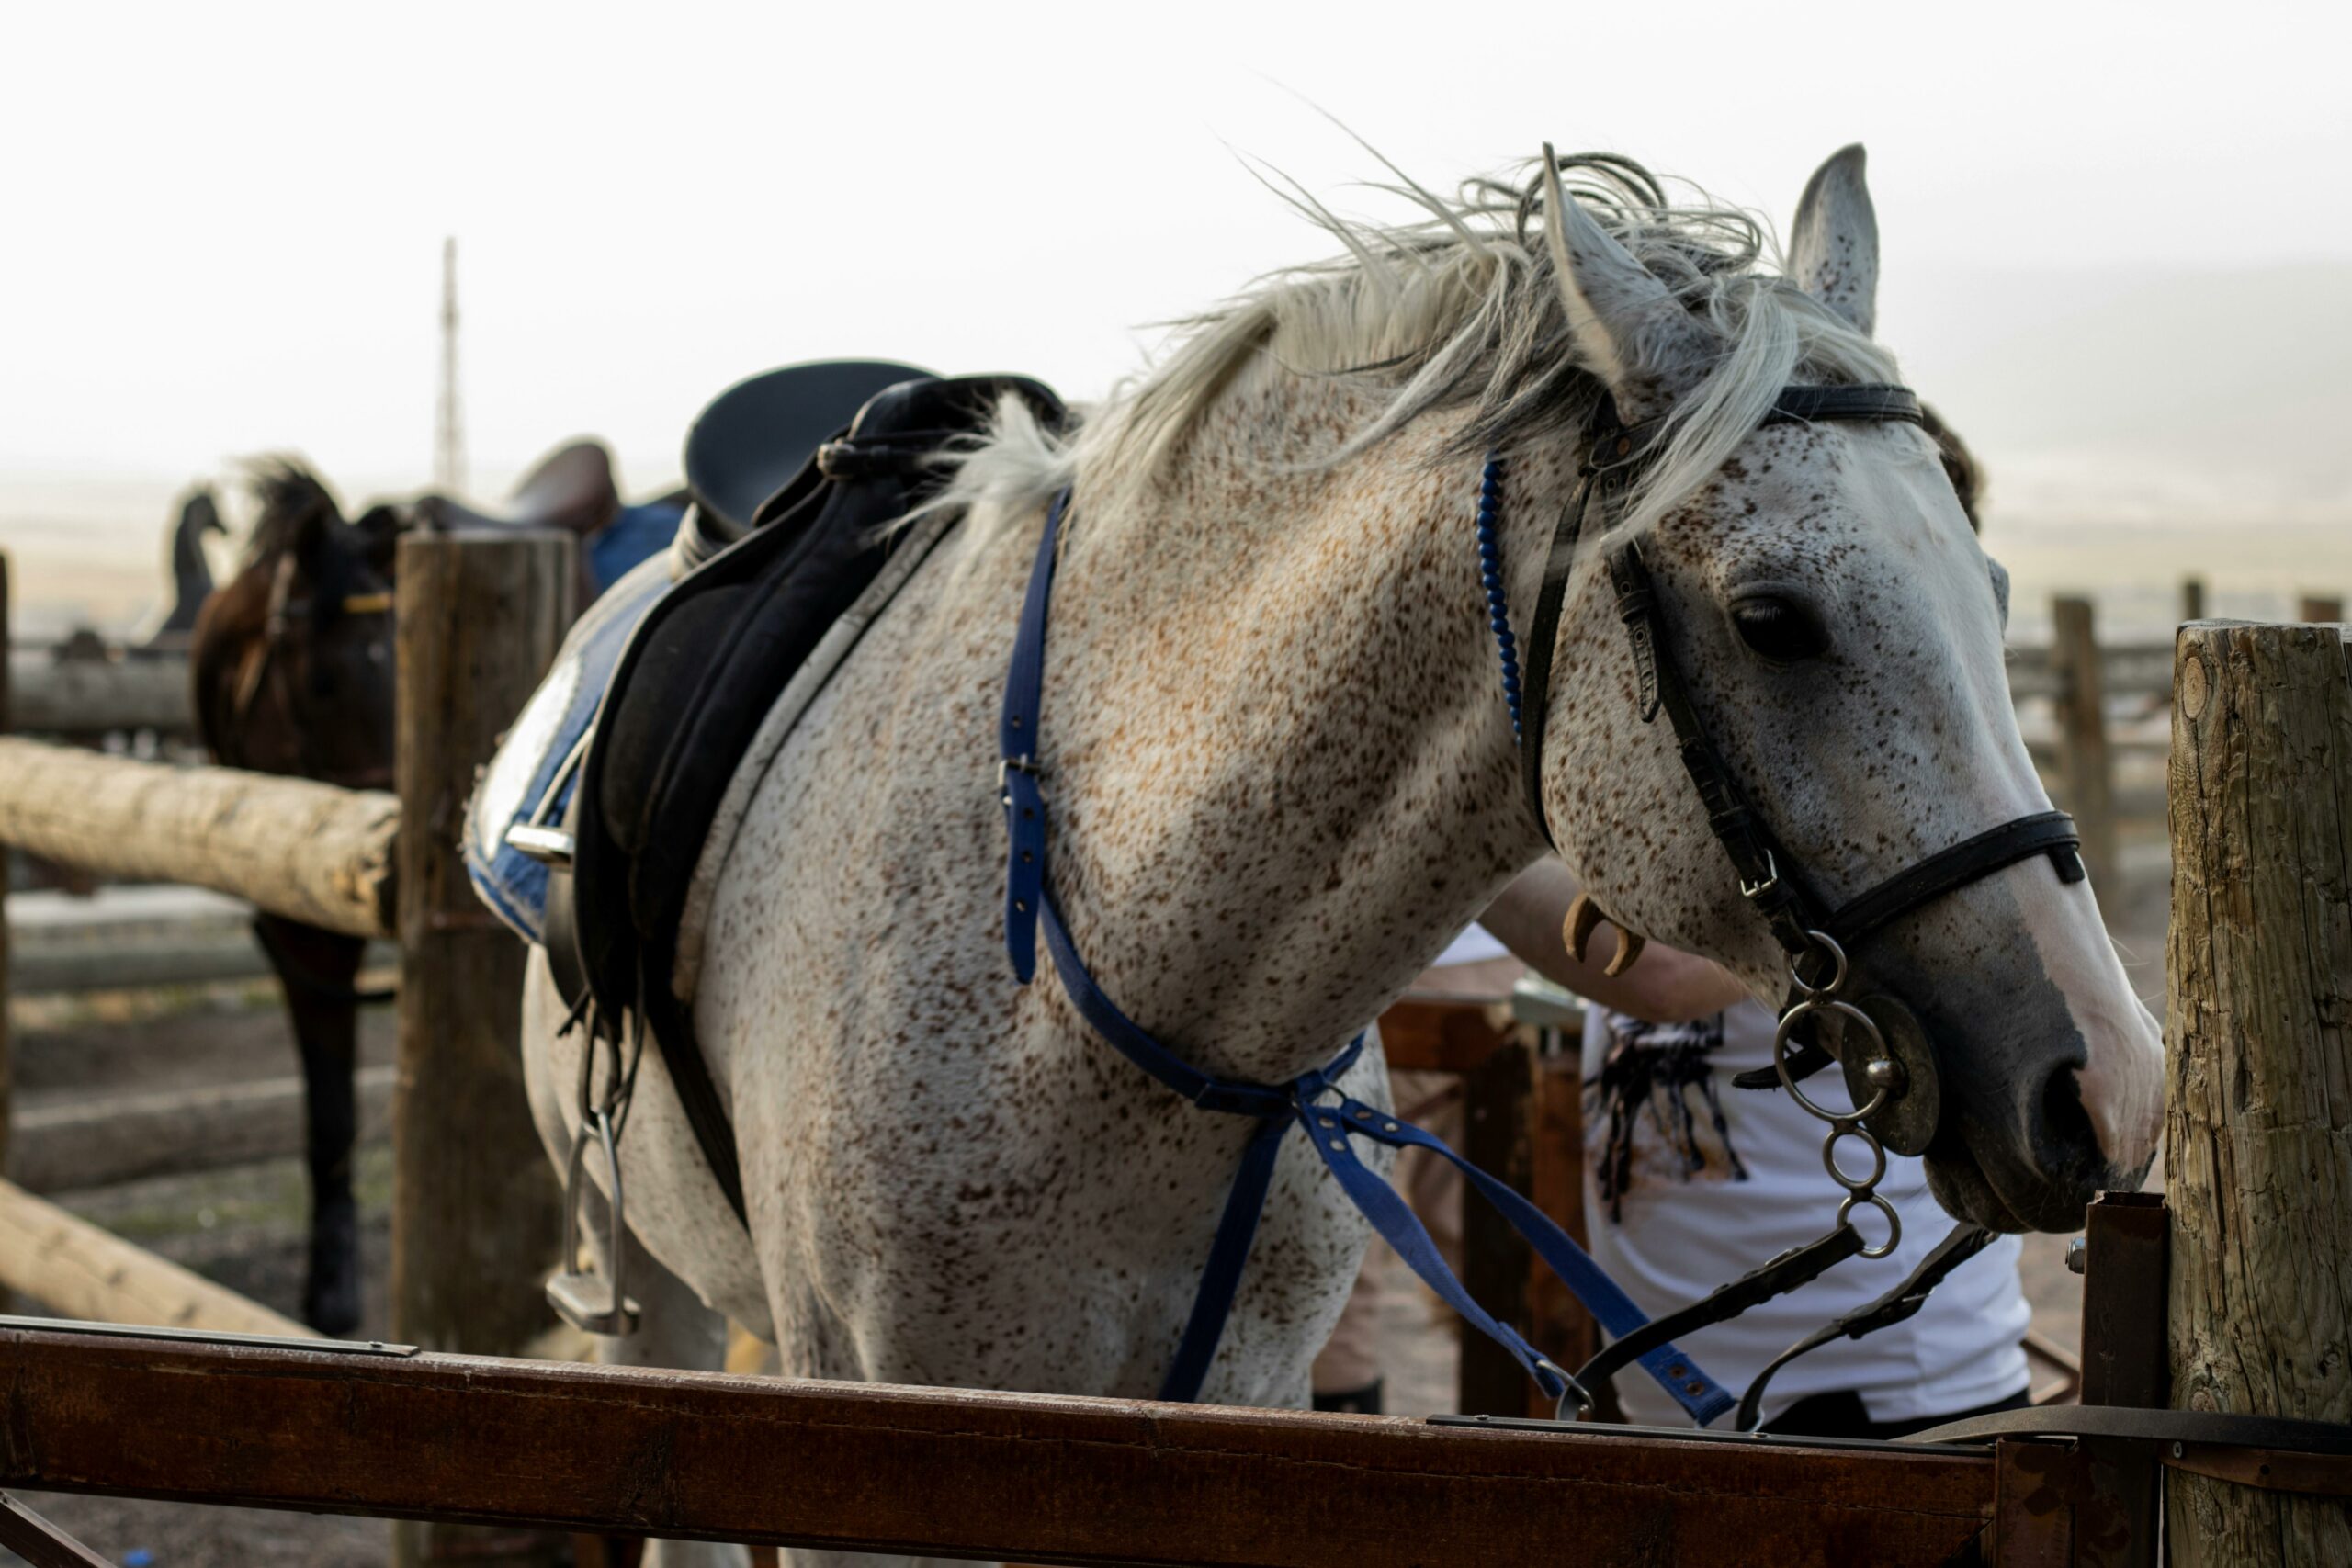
x,y
201,1337
2123,1300
2124,1363
938,1472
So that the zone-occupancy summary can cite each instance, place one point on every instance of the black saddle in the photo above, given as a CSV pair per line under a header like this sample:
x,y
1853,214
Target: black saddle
x,y
705,666
757,435
572,489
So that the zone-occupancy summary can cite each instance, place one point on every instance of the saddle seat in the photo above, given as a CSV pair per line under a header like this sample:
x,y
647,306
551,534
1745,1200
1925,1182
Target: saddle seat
x,y
696,684
572,489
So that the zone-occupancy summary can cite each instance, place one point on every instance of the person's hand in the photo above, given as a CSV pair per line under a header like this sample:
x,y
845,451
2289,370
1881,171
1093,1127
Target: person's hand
x,y
1664,985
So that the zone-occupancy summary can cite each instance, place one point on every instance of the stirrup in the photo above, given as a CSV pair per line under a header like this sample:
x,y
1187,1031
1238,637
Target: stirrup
x,y
579,1297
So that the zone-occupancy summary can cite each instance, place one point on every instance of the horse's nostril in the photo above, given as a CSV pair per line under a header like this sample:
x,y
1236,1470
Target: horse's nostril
x,y
2064,1142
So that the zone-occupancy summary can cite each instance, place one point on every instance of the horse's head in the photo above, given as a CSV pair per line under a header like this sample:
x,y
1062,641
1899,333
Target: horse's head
x,y
1823,596
309,689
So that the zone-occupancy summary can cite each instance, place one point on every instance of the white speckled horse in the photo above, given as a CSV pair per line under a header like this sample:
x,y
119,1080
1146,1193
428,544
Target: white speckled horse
x,y
1283,777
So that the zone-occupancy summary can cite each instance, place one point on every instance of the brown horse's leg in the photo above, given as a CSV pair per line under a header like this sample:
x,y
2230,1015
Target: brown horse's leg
x,y
317,969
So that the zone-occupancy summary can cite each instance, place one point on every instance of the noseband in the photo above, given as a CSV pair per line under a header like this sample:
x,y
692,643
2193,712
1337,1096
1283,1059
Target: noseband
x,y
1893,1076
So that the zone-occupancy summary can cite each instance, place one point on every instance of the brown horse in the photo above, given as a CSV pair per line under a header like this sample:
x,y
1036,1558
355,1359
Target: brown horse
x,y
293,663
293,670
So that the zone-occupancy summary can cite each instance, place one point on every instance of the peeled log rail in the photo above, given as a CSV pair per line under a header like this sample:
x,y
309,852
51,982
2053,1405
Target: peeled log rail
x,y
310,851
2258,1108
99,697
78,1270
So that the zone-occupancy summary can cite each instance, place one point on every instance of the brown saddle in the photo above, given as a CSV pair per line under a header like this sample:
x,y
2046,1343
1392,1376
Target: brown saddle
x,y
571,488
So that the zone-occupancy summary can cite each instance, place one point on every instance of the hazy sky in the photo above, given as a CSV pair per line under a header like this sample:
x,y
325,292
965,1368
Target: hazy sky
x,y
223,221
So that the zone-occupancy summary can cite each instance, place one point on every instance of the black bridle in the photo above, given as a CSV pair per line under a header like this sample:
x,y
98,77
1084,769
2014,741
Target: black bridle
x,y
1891,1064
1771,878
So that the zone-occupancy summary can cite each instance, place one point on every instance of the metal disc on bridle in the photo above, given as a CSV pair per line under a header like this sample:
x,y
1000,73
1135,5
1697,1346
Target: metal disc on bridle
x,y
1907,1121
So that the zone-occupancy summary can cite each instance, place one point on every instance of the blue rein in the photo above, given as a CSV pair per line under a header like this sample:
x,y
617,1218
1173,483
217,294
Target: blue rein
x,y
1313,1101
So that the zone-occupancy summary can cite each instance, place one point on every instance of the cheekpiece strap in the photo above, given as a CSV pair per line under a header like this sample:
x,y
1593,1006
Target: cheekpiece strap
x,y
1774,894
1019,777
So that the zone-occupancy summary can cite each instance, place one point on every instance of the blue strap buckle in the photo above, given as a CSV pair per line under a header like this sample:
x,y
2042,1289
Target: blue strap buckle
x,y
1009,765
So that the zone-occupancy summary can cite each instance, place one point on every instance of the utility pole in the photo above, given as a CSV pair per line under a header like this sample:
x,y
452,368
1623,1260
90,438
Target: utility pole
x,y
448,429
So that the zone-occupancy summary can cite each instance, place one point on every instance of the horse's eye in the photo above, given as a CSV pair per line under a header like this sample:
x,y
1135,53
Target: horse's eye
x,y
1783,630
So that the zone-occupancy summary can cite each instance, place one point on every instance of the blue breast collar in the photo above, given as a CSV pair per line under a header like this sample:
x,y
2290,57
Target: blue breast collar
x,y
1313,1101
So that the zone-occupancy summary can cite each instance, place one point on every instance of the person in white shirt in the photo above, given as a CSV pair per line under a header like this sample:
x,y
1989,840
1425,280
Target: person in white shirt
x,y
1691,1182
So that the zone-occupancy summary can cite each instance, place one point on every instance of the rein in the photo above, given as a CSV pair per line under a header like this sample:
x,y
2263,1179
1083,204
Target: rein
x,y
1314,1100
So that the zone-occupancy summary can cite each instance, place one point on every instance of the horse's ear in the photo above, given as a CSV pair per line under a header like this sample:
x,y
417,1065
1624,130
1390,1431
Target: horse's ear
x,y
1833,250
1629,328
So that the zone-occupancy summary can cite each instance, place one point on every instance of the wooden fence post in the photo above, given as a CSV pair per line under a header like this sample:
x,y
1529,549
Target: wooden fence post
x,y
8,860
2258,1150
1497,1101
2086,774
474,1200
2192,598
2325,609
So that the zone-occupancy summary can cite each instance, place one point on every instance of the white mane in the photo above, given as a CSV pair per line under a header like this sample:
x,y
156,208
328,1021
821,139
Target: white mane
x,y
1458,307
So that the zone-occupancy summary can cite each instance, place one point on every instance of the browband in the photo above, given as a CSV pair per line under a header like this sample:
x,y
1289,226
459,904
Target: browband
x,y
1629,444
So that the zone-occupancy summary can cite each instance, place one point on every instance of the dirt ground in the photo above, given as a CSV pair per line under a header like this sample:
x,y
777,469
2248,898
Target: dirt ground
x,y
245,1229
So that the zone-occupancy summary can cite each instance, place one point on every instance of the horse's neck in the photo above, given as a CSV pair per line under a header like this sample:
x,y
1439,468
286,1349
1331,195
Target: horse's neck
x,y
1280,767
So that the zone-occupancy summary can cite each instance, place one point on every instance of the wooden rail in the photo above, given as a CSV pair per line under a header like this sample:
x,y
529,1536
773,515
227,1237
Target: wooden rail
x,y
79,1271
943,1472
310,851
141,964
130,1137
80,698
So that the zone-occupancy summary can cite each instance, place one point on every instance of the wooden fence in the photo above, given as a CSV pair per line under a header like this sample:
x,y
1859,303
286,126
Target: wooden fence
x,y
120,691
480,618
2260,1059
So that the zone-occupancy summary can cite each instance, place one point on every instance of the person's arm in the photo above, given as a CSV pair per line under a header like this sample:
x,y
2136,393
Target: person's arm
x,y
1664,985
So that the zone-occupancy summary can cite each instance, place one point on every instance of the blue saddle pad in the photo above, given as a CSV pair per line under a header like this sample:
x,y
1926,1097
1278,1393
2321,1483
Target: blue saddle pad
x,y
636,534
512,884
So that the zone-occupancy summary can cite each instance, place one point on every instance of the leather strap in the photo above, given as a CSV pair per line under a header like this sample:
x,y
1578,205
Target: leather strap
x,y
1017,770
689,1069
1964,1242
1615,452
1767,874
2050,833
1798,1266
